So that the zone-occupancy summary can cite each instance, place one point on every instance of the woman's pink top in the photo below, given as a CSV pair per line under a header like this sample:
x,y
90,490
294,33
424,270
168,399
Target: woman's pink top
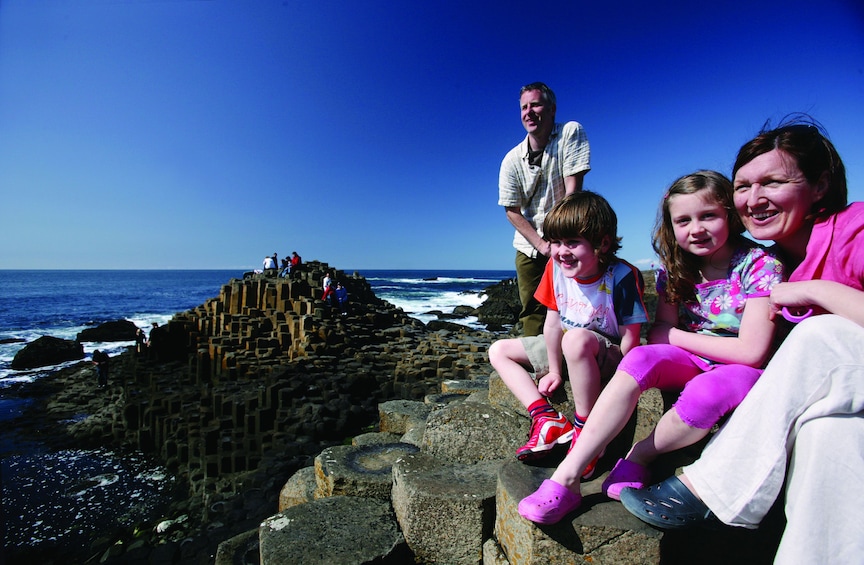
x,y
835,251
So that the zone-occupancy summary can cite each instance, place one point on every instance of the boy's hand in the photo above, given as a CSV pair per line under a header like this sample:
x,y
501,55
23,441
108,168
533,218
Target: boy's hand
x,y
549,383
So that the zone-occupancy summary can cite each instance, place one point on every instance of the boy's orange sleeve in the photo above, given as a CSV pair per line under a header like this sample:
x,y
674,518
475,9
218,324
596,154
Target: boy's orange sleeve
x,y
545,293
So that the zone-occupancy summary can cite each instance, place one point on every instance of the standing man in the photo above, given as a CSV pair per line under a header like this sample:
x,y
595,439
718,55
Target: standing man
x,y
549,164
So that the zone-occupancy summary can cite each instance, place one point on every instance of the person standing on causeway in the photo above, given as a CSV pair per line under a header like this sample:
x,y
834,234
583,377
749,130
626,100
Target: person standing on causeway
x,y
550,163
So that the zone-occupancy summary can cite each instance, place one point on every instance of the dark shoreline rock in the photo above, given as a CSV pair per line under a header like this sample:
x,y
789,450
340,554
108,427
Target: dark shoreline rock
x,y
45,351
116,330
8,340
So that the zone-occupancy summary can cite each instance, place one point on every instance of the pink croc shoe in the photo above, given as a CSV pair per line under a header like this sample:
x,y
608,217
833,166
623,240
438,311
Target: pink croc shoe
x,y
625,474
549,503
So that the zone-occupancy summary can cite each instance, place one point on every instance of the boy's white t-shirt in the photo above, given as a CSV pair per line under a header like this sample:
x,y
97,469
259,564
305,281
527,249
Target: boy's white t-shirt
x,y
602,303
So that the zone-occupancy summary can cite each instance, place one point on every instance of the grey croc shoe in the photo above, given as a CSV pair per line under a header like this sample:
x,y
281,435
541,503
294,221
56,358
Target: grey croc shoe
x,y
668,505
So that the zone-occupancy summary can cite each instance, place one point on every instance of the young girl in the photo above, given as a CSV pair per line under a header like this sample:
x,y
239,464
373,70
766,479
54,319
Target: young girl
x,y
711,336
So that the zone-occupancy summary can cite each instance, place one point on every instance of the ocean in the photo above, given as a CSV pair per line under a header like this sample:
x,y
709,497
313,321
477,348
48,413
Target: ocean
x,y
64,498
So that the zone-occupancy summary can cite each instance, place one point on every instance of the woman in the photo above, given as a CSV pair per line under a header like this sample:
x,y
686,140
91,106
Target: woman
x,y
802,421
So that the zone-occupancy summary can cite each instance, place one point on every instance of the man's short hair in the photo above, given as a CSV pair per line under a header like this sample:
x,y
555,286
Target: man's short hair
x,y
547,93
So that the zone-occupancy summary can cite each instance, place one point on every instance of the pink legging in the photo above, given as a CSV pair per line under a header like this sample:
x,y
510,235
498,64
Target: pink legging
x,y
710,391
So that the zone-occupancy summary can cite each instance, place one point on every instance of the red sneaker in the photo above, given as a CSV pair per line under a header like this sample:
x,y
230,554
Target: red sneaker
x,y
545,433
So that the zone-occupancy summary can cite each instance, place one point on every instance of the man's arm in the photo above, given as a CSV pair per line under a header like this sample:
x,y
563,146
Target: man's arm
x,y
523,226
573,183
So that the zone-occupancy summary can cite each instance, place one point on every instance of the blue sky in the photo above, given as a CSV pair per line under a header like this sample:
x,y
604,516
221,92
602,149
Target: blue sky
x,y
209,133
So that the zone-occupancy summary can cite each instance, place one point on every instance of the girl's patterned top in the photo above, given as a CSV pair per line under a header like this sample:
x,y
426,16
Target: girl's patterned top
x,y
719,304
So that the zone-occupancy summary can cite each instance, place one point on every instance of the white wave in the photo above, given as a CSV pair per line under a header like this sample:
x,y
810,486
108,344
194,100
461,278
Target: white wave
x,y
444,302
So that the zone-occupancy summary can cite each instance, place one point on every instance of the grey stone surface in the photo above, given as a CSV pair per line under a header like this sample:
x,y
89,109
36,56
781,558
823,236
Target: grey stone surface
x,y
492,553
441,400
239,550
299,489
375,438
463,386
364,470
445,510
414,436
398,416
470,432
338,530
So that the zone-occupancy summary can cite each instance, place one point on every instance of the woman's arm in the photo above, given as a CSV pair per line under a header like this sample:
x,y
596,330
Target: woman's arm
x,y
750,347
821,295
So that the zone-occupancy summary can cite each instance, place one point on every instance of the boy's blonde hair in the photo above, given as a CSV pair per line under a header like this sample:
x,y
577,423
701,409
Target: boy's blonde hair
x,y
588,215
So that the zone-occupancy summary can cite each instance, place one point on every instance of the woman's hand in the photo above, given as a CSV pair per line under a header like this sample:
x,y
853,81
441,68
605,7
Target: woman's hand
x,y
794,296
822,296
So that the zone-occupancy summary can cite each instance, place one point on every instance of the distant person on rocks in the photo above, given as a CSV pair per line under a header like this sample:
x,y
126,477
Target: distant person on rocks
x,y
154,342
140,342
285,266
100,359
550,163
328,290
342,298
594,315
296,261
269,263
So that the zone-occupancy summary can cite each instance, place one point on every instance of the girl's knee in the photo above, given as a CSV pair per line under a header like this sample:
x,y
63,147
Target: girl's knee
x,y
625,381
704,406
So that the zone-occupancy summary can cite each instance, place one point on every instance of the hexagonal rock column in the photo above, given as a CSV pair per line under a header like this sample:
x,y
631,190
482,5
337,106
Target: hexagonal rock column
x,y
358,470
400,416
469,432
236,549
446,510
465,387
334,531
299,489
600,531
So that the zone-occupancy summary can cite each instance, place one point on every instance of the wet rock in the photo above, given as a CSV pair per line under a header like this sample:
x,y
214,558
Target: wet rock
x,y
501,306
117,330
47,350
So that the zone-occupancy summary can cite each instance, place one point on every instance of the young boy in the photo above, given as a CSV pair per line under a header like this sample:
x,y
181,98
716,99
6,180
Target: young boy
x,y
594,314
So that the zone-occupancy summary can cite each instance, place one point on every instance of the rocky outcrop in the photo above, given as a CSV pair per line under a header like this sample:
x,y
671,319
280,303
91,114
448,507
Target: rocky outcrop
x,y
501,306
45,351
116,330
239,393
